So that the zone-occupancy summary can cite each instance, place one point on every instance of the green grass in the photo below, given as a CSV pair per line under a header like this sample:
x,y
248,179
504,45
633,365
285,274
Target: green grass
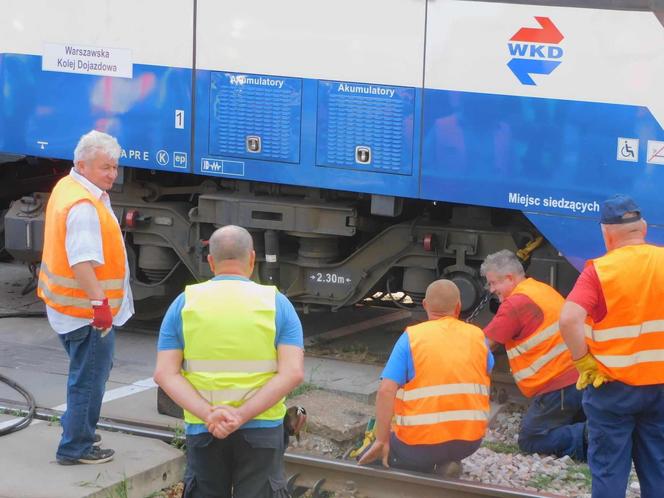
x,y
579,468
90,484
500,447
121,490
355,348
179,442
13,412
157,494
541,481
303,388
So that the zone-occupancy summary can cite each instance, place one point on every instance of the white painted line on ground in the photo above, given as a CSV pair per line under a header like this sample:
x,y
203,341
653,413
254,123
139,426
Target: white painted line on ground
x,y
112,395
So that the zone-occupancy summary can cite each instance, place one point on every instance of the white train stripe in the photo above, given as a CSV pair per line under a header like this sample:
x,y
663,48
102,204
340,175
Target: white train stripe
x,y
610,56
372,41
157,32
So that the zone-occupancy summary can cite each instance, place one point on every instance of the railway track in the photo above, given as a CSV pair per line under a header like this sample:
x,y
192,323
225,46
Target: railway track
x,y
319,476
345,479
503,389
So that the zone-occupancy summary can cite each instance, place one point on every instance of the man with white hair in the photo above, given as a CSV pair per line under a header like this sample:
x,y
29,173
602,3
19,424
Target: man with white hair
x,y
84,281
620,354
527,324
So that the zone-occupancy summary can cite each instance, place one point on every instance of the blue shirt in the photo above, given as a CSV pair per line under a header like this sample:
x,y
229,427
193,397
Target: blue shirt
x,y
399,367
288,332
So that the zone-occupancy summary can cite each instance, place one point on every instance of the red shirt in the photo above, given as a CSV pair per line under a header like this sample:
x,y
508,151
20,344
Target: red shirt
x,y
587,293
517,318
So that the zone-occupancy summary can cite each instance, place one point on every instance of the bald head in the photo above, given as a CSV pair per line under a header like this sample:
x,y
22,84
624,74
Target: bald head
x,y
442,298
231,243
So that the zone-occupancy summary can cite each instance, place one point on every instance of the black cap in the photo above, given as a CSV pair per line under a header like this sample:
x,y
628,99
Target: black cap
x,y
614,208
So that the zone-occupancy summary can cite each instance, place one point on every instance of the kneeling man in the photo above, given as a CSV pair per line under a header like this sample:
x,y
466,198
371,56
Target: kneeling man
x,y
434,391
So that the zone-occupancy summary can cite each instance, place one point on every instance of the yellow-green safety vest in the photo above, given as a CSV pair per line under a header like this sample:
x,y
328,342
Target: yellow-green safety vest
x,y
229,333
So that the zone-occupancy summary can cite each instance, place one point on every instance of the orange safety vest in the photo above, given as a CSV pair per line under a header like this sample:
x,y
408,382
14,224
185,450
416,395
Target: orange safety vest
x,y
542,356
58,287
448,399
629,341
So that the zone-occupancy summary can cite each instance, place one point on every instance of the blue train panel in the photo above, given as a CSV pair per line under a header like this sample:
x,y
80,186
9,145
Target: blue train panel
x,y
255,117
580,239
324,157
365,127
44,113
554,157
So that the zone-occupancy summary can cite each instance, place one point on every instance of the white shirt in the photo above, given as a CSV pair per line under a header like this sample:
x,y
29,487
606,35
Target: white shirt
x,y
83,243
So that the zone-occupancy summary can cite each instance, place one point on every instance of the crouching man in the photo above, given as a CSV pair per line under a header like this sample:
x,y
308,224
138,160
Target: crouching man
x,y
434,391
527,324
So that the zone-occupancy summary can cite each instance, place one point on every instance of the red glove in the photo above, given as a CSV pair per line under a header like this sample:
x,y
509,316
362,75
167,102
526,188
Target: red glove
x,y
102,318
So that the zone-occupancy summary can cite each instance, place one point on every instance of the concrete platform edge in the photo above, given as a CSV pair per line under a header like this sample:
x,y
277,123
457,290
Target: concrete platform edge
x,y
145,484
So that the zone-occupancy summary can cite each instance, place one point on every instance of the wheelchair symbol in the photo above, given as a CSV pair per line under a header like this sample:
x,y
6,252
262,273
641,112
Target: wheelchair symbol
x,y
628,149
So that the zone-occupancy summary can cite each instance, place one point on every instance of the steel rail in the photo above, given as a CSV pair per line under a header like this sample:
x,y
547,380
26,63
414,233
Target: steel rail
x,y
133,427
504,389
347,478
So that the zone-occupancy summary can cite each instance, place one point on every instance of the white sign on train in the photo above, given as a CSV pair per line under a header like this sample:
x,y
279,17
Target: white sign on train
x,y
655,152
329,278
85,59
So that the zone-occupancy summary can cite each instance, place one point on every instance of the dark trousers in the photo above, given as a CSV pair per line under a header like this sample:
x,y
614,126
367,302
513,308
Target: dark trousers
x,y
90,363
247,464
425,457
554,424
625,423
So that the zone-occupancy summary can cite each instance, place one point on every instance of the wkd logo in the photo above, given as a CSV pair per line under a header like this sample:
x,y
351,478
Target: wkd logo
x,y
538,51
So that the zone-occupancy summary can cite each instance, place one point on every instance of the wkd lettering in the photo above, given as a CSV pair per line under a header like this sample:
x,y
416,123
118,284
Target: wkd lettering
x,y
536,51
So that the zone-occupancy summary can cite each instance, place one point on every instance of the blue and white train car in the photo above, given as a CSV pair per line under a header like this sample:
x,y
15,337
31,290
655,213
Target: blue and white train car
x,y
369,145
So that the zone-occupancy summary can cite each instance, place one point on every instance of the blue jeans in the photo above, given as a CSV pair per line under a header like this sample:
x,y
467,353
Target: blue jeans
x,y
625,423
554,424
90,363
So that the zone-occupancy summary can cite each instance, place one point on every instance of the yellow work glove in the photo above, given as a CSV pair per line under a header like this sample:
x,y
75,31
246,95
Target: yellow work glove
x,y
369,438
589,372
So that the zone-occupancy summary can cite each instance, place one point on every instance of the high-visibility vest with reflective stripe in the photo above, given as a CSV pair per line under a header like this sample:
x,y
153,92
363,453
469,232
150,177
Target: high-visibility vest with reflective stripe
x,y
542,356
629,341
229,352
57,285
448,398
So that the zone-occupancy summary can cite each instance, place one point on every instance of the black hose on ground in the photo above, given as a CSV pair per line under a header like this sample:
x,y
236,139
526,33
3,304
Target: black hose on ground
x,y
32,407
32,404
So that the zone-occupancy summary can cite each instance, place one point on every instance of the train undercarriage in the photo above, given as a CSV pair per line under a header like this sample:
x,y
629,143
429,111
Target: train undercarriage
x,y
324,249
